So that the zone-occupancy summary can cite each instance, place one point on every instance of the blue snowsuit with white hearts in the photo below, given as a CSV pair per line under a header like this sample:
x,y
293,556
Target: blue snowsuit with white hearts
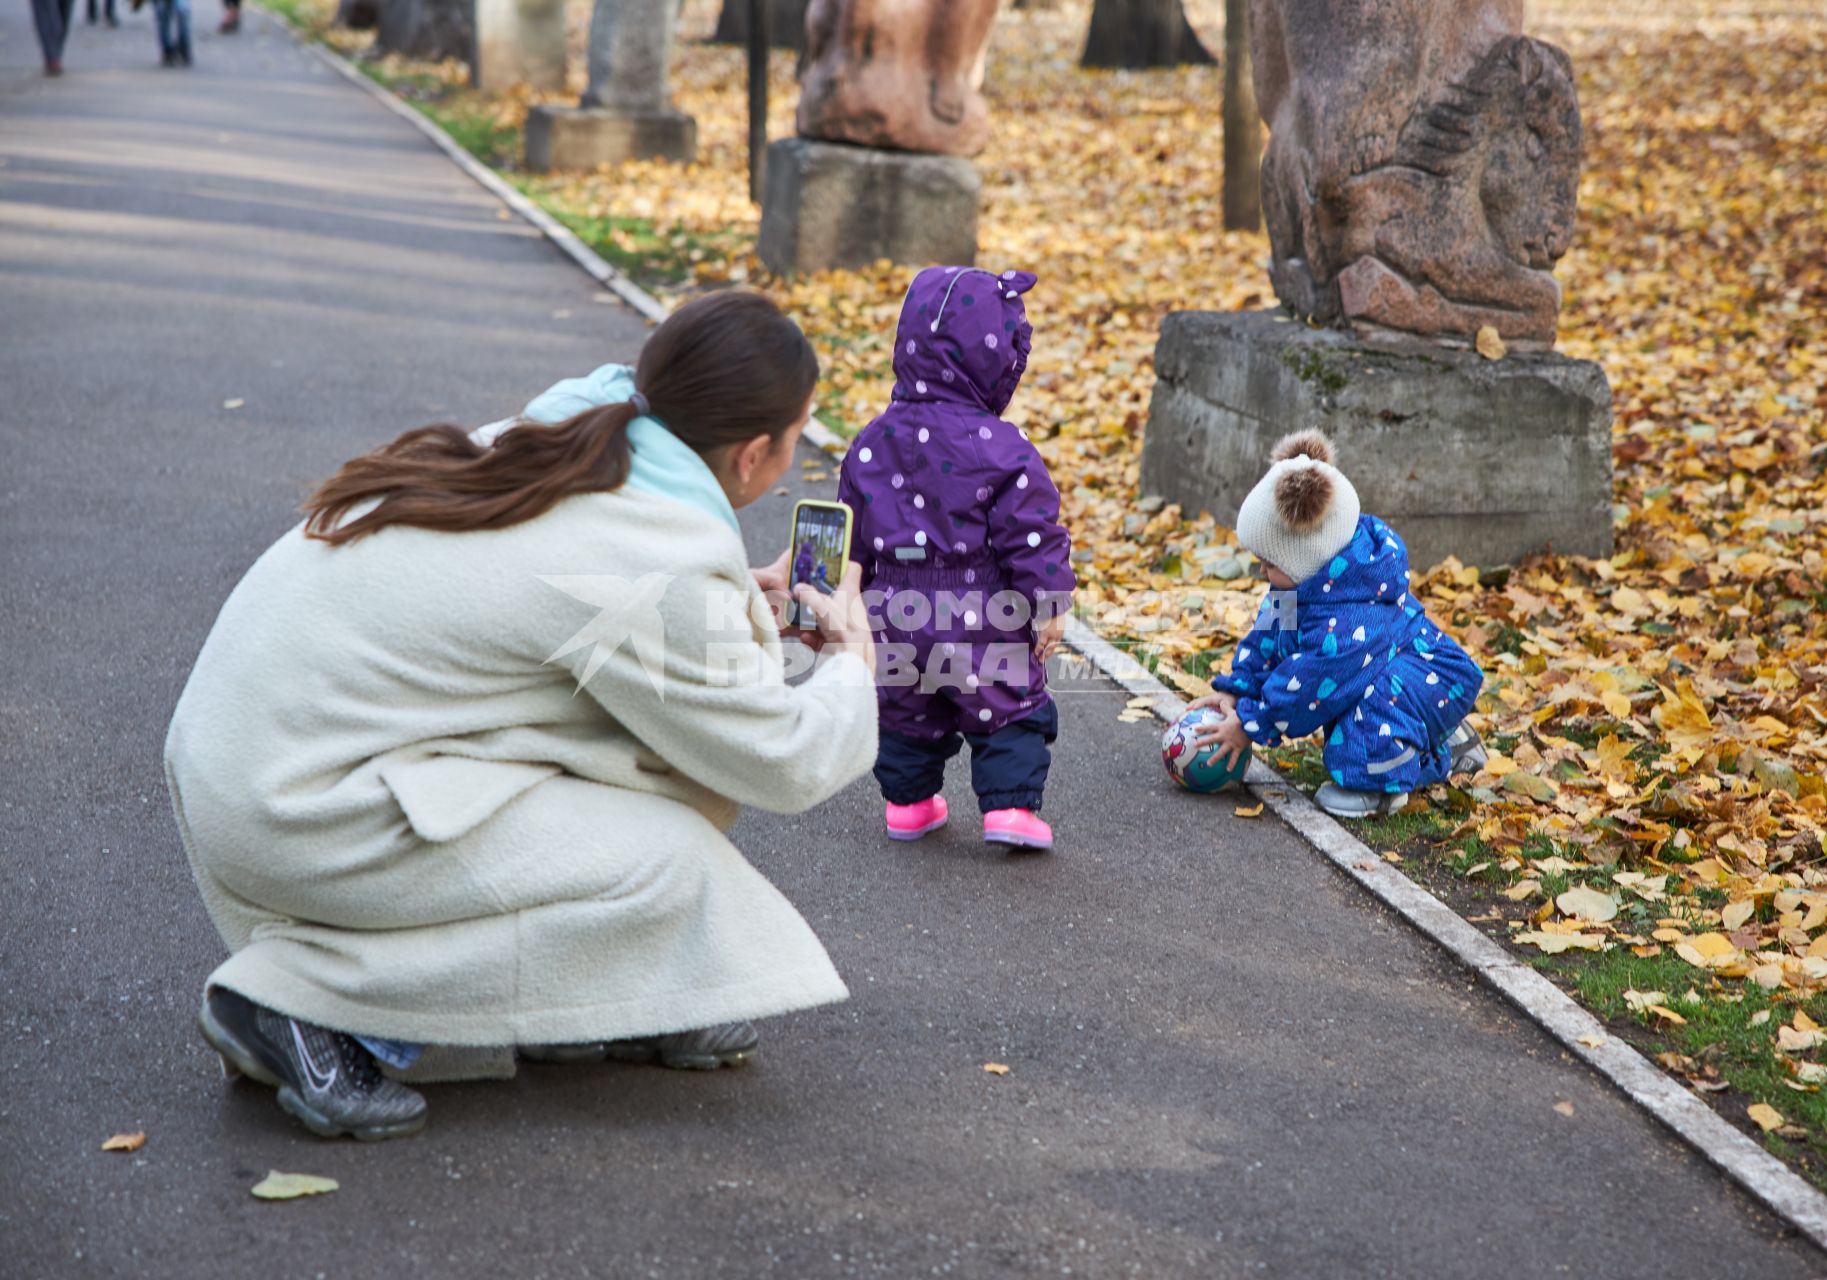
x,y
1362,661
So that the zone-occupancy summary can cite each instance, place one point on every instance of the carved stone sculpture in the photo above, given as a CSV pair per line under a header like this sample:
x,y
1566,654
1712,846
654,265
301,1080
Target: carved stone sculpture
x,y
900,74
1422,168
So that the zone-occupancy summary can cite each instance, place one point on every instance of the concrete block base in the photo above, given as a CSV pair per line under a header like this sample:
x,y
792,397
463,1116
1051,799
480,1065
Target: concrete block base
x,y
827,204
1487,460
585,137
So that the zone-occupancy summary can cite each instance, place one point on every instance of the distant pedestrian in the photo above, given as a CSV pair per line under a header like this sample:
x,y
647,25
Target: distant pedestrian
x,y
957,529
108,10
173,17
52,18
174,31
231,18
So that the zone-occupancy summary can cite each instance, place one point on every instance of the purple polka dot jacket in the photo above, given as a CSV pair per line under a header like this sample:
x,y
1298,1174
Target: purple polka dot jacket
x,y
957,521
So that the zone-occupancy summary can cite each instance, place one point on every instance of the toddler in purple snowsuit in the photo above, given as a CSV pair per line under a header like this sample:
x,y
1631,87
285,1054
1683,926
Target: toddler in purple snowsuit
x,y
965,563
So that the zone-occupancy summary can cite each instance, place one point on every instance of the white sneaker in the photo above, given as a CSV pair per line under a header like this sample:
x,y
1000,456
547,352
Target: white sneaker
x,y
1340,803
1469,755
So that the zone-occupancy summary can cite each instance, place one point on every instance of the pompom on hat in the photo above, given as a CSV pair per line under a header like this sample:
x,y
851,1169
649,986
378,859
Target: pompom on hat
x,y
1303,512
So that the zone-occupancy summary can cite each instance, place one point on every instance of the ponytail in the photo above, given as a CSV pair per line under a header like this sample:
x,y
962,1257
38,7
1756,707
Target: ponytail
x,y
721,370
439,478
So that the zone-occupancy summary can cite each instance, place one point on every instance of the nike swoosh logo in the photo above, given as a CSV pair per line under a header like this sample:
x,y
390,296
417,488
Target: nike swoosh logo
x,y
313,1072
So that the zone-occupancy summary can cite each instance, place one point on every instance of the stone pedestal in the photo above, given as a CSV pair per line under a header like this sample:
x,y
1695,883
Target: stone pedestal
x,y
518,42
584,137
829,204
1487,460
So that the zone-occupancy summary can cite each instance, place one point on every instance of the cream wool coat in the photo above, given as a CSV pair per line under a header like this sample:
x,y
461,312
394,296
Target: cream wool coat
x,y
408,818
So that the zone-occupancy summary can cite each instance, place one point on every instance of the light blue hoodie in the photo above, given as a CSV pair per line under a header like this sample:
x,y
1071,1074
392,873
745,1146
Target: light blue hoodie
x,y
660,463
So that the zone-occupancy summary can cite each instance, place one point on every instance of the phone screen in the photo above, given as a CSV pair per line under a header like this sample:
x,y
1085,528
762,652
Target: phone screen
x,y
817,553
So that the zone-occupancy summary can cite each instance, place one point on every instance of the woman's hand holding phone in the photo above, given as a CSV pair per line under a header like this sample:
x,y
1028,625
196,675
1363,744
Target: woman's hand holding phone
x,y
840,623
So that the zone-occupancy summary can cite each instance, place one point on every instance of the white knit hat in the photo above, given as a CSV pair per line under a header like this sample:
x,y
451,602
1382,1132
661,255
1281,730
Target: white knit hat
x,y
1303,512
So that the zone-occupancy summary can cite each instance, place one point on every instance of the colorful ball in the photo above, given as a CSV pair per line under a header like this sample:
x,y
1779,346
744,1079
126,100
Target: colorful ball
x,y
1200,770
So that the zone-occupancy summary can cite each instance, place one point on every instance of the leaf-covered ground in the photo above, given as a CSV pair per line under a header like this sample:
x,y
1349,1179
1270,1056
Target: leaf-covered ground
x,y
1658,718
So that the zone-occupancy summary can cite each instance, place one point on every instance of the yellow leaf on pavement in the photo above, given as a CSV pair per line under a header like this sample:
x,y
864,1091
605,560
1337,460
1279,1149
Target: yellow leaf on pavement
x,y
1249,811
1489,345
125,1142
289,1186
996,1068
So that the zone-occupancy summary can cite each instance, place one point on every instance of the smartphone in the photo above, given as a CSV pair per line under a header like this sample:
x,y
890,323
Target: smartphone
x,y
816,554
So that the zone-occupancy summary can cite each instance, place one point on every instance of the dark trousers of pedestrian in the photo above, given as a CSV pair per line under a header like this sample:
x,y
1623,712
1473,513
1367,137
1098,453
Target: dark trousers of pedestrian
x,y
108,8
174,29
52,18
1008,767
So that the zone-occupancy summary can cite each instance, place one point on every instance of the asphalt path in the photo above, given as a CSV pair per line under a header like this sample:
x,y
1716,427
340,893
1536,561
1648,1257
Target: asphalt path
x,y
1224,1060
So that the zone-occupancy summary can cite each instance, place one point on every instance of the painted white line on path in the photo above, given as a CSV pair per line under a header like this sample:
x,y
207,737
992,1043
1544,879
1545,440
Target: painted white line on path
x,y
1748,1164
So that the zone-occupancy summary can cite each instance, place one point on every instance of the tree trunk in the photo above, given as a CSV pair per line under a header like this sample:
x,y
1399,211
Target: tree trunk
x,y
1141,33
1242,125
786,24
358,15
430,29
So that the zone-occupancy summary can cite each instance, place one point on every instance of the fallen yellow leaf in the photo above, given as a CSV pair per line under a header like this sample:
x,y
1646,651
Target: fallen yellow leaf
x,y
1587,904
1708,951
125,1142
1489,345
1249,811
1765,1116
996,1068
1555,943
289,1186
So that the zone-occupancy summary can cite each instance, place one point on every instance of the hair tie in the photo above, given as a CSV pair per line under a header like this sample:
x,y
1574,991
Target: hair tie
x,y
641,407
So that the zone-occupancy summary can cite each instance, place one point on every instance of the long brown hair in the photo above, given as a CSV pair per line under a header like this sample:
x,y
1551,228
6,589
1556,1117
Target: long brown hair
x,y
720,370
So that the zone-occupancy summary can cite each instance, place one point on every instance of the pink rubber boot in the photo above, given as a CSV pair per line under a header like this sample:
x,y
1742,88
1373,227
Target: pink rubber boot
x,y
1018,828
911,821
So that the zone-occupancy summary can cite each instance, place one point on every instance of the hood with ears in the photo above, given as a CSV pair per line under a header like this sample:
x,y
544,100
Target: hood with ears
x,y
963,337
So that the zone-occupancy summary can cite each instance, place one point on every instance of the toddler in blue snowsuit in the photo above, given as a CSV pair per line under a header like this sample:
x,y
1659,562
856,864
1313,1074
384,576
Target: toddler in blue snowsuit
x,y
1341,646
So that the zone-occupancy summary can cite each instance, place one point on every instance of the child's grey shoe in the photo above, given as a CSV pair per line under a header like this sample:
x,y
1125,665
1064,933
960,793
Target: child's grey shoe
x,y
1341,803
1469,755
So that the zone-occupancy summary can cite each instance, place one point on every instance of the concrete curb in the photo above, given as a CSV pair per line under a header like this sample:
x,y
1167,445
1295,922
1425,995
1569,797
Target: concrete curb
x,y
1735,1154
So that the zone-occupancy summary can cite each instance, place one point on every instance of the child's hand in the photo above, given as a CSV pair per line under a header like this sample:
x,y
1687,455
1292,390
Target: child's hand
x,y
1224,703
1229,737
1048,639
1227,734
